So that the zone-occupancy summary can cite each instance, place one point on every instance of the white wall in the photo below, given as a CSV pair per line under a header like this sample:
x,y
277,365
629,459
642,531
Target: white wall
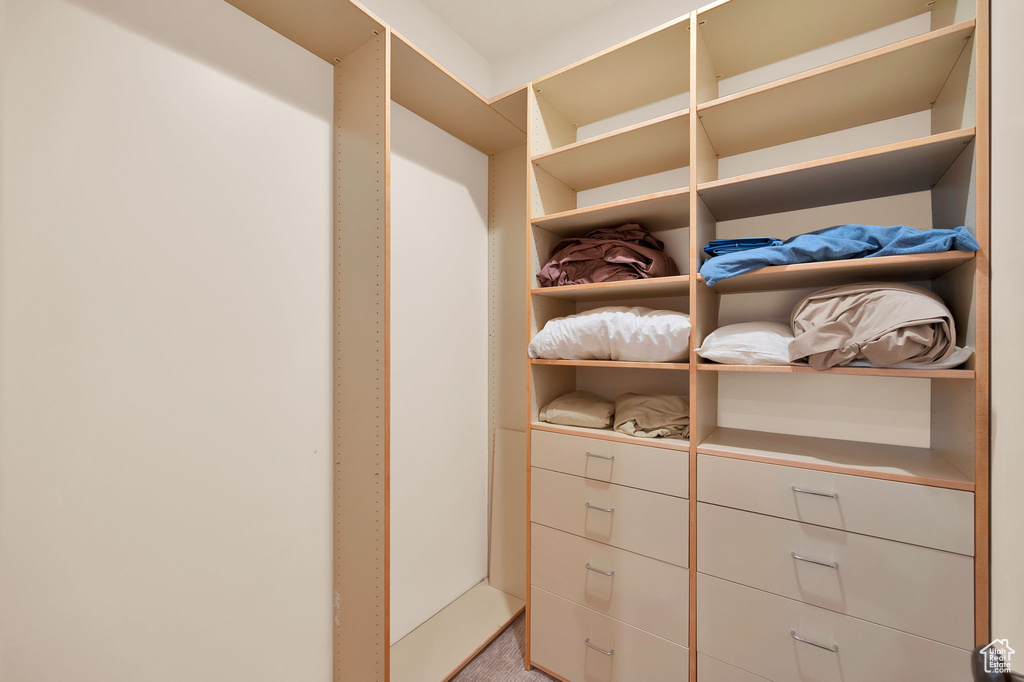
x,y
1007,326
439,370
165,346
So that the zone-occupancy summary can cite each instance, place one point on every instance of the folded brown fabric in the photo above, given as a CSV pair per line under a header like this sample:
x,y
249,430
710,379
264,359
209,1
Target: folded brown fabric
x,y
579,409
607,255
883,323
652,416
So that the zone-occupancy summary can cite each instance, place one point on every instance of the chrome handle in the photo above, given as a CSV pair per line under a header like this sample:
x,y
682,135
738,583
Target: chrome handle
x,y
834,648
598,570
604,509
607,457
834,496
796,556
598,649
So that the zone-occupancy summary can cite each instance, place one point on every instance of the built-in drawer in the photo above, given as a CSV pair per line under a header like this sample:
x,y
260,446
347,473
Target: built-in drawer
x,y
560,632
651,468
712,670
756,631
922,591
650,594
647,523
918,514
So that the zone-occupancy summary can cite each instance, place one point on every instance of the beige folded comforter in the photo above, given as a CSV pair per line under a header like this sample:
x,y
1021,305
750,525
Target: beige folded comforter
x,y
883,323
651,416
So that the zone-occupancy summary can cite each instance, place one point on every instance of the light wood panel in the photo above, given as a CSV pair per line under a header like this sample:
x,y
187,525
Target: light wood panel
x,y
513,105
432,92
684,366
915,267
361,363
746,34
892,81
506,559
330,29
872,460
608,434
646,69
965,374
650,147
618,291
912,166
444,644
712,670
654,212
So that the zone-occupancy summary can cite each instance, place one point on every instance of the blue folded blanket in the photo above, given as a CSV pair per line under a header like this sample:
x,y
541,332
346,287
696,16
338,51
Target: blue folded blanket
x,y
718,247
839,243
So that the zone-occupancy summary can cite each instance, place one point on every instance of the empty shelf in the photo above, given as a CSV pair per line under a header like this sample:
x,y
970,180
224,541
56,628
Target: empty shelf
x,y
911,166
609,434
855,371
684,366
653,212
617,291
646,69
915,267
891,81
873,460
650,147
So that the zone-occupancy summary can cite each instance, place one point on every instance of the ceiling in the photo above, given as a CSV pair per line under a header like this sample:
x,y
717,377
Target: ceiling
x,y
496,28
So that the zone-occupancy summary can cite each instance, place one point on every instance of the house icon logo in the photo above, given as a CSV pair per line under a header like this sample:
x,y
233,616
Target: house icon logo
x,y
997,656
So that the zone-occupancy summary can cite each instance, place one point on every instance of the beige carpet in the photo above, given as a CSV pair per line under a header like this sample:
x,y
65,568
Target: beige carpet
x,y
502,660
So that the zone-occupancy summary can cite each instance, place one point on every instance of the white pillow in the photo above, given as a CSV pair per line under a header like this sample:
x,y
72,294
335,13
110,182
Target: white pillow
x,y
615,333
748,343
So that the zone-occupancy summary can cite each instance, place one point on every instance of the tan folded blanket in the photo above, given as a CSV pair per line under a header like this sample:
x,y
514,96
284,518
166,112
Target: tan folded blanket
x,y
579,409
652,416
883,323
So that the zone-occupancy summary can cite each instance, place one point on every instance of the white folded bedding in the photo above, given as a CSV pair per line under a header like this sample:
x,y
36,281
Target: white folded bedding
x,y
615,333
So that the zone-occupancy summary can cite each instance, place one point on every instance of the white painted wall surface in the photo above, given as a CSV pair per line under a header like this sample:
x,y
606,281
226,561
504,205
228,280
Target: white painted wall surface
x,y
165,346
439,370
1007,326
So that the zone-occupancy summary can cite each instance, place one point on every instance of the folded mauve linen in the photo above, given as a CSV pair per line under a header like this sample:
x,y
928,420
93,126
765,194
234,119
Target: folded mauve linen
x,y
883,323
607,255
579,408
652,416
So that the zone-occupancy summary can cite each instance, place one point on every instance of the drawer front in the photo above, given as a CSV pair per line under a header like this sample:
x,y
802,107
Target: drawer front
x,y
918,514
922,591
649,594
712,670
647,523
751,630
559,630
649,468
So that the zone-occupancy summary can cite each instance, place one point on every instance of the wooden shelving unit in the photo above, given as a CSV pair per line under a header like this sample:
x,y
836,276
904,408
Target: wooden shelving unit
x,y
615,364
608,434
656,212
617,291
849,371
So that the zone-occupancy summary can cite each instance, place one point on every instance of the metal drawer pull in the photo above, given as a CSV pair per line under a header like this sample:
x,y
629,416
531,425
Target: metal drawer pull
x,y
604,509
834,648
834,564
598,570
598,649
834,496
607,457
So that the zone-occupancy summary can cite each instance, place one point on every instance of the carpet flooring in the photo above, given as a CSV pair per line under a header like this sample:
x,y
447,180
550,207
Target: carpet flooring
x,y
502,660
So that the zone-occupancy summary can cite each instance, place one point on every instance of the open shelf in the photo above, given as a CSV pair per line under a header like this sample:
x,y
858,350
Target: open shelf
x,y
872,460
618,291
911,166
891,81
914,267
651,67
457,633
651,147
609,434
653,212
855,371
743,35
683,366
426,88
